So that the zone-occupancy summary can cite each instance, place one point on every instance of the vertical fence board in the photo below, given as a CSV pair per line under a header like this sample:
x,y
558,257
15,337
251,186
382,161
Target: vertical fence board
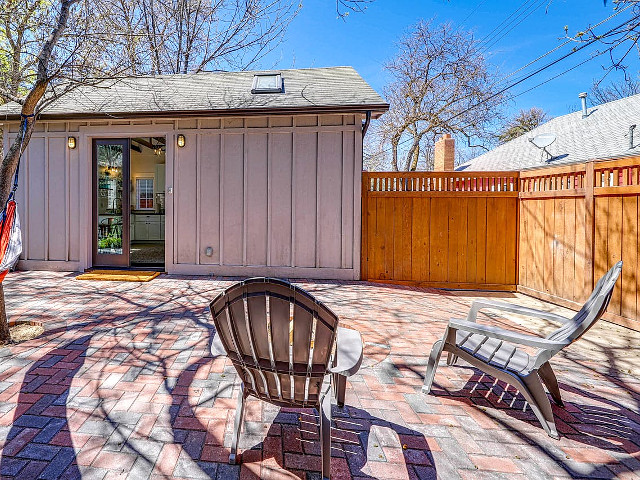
x,y
549,223
582,253
461,234
629,256
451,254
557,241
420,239
438,238
637,265
511,242
472,241
614,247
569,249
386,217
481,269
601,212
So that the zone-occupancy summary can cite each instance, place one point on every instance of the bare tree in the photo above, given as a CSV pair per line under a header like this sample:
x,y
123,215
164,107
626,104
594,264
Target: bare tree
x,y
441,84
523,122
183,36
615,90
374,155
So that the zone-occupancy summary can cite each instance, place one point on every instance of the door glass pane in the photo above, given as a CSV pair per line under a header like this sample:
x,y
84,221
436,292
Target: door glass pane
x,y
110,176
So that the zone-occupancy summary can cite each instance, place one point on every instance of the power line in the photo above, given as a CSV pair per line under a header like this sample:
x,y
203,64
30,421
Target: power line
x,y
561,73
496,39
539,70
522,4
472,12
563,44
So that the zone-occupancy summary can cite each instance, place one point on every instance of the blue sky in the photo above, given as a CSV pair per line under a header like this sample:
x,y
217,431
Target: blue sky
x,y
366,41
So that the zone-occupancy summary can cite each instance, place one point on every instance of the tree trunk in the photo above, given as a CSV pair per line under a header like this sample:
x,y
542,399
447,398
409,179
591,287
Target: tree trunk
x,y
5,336
416,157
411,156
394,154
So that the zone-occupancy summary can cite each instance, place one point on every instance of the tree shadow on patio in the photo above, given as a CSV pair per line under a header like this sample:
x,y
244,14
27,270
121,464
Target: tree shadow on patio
x,y
586,418
39,444
363,445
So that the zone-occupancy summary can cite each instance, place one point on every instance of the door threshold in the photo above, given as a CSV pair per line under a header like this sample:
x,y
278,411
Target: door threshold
x,y
132,267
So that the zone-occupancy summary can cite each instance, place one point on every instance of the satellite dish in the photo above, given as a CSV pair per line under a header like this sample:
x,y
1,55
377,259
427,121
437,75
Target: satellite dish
x,y
543,140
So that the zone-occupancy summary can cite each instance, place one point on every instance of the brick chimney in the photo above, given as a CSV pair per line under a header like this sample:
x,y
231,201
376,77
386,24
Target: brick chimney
x,y
444,154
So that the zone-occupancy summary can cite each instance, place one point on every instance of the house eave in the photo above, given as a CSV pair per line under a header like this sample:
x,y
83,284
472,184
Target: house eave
x,y
376,110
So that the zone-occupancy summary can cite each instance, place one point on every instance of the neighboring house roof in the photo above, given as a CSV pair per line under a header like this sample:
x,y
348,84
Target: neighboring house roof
x,y
317,90
603,134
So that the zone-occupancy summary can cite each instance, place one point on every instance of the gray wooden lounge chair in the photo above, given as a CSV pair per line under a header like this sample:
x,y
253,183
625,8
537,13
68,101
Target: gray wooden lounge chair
x,y
287,348
492,349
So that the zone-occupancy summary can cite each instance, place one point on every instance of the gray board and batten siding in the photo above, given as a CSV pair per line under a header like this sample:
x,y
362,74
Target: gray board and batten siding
x,y
271,191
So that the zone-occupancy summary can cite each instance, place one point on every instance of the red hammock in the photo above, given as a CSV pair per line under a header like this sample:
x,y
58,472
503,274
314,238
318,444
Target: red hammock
x,y
10,238
10,234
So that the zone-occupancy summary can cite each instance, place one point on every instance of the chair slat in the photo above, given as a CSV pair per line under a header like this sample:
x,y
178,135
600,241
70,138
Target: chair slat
x,y
322,344
236,310
223,328
257,380
258,315
285,384
272,384
279,313
302,327
299,384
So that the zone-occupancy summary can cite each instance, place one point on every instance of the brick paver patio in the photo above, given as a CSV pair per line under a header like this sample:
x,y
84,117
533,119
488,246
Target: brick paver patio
x,y
122,385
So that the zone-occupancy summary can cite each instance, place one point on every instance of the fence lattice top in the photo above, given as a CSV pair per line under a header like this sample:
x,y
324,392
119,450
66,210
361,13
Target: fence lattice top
x,y
605,177
612,177
441,182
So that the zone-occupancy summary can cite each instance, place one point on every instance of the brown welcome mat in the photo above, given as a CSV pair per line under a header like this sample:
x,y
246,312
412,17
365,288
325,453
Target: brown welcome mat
x,y
119,275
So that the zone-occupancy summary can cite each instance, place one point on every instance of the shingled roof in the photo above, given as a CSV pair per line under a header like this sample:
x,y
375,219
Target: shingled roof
x,y
313,90
603,134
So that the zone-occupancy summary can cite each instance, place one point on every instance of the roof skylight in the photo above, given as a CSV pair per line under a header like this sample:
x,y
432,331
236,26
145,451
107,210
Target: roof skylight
x,y
267,83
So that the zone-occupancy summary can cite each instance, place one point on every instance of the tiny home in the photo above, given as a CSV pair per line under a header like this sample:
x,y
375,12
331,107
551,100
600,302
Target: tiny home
x,y
240,173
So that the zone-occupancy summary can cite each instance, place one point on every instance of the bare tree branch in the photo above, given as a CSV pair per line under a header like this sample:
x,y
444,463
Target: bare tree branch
x,y
438,75
614,91
10,96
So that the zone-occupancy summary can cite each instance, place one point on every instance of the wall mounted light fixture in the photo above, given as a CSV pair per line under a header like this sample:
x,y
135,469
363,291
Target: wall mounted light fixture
x,y
181,140
71,142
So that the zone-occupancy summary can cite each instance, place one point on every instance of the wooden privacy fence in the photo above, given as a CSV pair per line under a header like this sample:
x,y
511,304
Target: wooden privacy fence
x,y
575,223
550,232
441,229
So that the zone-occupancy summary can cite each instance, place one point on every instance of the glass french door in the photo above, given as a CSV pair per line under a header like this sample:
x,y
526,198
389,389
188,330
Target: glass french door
x,y
111,164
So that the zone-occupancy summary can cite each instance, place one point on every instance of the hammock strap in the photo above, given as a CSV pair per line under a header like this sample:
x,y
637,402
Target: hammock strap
x,y
24,122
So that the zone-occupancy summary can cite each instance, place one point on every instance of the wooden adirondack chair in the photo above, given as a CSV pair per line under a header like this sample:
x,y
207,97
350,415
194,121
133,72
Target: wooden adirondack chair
x,y
287,348
492,349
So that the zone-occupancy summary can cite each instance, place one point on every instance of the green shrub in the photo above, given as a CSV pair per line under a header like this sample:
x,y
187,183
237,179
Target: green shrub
x,y
110,242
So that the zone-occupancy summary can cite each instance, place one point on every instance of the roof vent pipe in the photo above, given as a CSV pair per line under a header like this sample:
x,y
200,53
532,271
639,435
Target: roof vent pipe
x,y
631,129
583,97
